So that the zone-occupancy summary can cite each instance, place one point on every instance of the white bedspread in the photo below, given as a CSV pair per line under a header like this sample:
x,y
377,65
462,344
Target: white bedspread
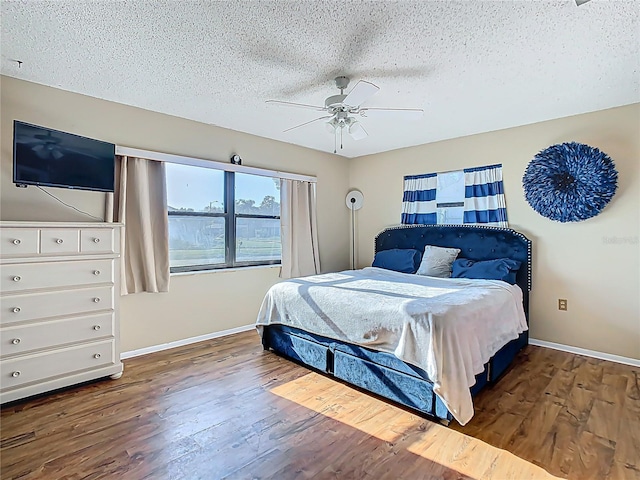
x,y
449,327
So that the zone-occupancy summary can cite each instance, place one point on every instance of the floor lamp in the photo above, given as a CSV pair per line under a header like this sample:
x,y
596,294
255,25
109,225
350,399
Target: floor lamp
x,y
354,202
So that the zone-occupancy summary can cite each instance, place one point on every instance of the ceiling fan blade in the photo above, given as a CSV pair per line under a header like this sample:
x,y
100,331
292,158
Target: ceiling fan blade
x,y
357,131
307,123
299,105
360,93
404,113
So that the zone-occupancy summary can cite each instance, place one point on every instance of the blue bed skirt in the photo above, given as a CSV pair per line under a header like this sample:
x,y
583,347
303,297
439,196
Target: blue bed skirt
x,y
378,372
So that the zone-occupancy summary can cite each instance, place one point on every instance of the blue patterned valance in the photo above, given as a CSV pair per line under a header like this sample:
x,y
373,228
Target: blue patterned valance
x,y
469,196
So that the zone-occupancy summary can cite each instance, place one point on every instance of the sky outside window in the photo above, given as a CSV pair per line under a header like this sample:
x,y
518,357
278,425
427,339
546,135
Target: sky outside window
x,y
199,188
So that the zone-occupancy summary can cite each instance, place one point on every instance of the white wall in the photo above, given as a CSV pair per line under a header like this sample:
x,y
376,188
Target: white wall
x,y
594,264
196,304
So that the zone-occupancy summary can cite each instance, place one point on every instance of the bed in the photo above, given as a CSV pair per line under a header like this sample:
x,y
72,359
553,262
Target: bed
x,y
398,362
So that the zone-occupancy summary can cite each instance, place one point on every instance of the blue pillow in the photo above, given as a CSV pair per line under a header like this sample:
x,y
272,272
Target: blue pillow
x,y
400,260
504,269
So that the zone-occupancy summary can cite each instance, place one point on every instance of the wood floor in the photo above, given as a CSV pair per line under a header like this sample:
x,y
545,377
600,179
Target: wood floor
x,y
227,409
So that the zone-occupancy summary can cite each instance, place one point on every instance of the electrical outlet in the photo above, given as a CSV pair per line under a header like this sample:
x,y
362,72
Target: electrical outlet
x,y
562,304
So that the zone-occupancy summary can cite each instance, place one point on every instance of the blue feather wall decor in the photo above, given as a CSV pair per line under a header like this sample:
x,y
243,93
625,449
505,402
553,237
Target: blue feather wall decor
x,y
570,182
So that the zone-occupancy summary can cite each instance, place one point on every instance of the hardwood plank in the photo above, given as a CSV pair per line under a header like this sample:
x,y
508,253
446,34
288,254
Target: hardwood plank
x,y
100,416
508,467
613,388
461,453
561,384
264,466
557,449
604,419
593,458
576,362
628,439
633,387
226,408
590,374
374,422
623,471
580,402
342,439
535,426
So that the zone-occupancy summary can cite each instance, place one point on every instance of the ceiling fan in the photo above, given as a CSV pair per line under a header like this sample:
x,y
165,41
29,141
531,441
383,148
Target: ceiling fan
x,y
46,147
342,110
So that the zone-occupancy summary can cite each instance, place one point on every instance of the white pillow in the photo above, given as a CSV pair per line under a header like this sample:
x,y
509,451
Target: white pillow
x,y
437,261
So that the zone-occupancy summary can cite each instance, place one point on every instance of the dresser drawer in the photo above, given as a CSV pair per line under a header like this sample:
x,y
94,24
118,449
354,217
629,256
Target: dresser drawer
x,y
97,240
21,308
18,241
53,333
59,240
30,276
26,369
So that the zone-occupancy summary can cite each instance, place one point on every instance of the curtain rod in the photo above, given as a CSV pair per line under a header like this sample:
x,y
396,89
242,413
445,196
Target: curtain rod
x,y
200,162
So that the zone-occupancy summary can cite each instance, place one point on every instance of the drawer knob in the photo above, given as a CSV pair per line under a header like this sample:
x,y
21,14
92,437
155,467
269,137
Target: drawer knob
x,y
59,241
96,272
17,241
17,278
97,355
96,327
15,341
15,309
96,299
96,240
15,374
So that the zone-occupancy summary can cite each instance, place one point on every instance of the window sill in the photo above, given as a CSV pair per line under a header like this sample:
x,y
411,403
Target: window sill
x,y
224,270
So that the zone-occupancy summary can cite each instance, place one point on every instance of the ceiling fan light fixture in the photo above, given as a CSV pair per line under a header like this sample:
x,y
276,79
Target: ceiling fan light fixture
x,y
356,130
342,110
332,125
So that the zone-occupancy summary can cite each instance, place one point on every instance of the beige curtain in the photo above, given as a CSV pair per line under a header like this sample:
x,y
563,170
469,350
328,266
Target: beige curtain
x,y
299,229
140,203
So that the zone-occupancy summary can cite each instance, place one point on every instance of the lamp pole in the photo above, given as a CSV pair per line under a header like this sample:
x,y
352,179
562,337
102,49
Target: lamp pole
x,y
353,235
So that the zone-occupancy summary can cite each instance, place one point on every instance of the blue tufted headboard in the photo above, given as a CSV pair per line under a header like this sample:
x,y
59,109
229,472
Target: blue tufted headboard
x,y
475,242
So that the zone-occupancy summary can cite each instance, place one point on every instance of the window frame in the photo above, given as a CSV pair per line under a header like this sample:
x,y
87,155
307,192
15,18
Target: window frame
x,y
230,225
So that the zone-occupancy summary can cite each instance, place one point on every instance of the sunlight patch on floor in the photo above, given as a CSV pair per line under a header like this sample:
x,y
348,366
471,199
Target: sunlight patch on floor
x,y
388,423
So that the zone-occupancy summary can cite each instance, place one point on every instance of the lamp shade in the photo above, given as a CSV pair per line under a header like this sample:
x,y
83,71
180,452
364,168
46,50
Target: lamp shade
x,y
356,130
354,200
332,125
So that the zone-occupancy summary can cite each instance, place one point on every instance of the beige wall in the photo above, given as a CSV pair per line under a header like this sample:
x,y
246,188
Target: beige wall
x,y
594,264
196,304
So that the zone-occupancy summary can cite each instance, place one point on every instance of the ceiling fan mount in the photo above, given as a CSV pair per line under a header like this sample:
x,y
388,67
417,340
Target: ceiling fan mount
x,y
341,109
342,82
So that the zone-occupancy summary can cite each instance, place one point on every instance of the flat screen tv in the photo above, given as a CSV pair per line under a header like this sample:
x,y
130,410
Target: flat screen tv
x,y
46,157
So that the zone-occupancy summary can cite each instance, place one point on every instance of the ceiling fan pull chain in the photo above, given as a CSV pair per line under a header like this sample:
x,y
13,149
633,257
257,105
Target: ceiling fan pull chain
x,y
341,129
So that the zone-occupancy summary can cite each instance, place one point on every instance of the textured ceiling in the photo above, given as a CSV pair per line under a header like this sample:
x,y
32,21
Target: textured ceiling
x,y
473,66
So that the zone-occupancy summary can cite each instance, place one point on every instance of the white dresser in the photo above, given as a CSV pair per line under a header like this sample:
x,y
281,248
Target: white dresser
x,y
59,292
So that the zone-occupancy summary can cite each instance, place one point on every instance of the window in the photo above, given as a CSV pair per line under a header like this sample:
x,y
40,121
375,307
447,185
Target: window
x,y
221,219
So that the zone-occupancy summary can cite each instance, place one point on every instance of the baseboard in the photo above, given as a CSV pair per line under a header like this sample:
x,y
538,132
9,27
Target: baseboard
x,y
588,353
186,341
245,328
